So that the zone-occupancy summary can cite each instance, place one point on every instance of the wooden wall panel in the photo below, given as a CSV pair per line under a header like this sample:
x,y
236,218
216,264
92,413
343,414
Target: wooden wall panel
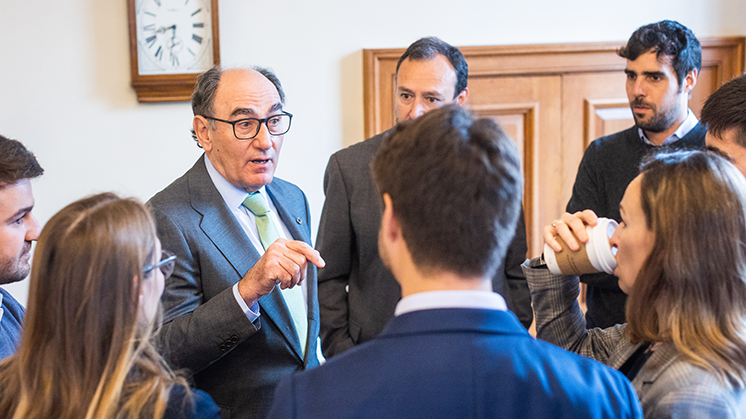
x,y
552,99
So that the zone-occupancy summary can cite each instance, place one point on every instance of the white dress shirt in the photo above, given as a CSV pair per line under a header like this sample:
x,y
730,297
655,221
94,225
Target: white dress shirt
x,y
451,299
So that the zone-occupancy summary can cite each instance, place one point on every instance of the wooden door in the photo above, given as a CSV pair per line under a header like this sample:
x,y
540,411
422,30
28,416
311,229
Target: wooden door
x,y
553,100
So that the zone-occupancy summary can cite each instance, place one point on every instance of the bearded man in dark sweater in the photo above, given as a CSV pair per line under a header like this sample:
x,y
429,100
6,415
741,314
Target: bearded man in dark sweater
x,y
663,62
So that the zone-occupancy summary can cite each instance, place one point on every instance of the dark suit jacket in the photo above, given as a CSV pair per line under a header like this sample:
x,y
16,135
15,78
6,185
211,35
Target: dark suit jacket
x,y
237,362
457,363
348,242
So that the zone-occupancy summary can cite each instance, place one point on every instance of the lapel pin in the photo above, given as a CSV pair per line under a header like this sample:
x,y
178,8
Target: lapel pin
x,y
298,220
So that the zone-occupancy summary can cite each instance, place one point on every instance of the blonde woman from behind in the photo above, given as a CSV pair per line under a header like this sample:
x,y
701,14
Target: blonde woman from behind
x,y
86,352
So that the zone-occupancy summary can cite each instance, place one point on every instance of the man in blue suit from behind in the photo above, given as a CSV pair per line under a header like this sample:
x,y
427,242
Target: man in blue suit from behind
x,y
451,192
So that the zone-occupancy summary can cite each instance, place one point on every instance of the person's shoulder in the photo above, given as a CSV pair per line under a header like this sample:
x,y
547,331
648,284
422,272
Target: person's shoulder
x,y
695,138
613,147
682,380
177,191
615,139
685,390
360,153
199,406
12,307
586,372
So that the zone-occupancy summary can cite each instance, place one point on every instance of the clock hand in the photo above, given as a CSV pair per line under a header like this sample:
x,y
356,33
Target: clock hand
x,y
163,29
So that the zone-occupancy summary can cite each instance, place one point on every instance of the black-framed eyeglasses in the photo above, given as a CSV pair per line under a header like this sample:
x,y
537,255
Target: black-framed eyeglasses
x,y
166,265
248,128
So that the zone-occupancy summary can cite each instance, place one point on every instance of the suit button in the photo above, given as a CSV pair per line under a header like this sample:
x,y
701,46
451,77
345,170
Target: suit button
x,y
234,339
223,347
298,220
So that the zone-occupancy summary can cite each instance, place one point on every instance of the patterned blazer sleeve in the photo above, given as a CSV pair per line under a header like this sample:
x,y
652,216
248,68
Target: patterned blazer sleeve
x,y
559,319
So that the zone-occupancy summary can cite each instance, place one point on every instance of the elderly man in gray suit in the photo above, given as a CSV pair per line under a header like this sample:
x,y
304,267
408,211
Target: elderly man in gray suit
x,y
241,307
357,294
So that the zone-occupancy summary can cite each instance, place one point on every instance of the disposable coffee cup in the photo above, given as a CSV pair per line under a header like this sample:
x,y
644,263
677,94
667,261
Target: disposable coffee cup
x,y
595,256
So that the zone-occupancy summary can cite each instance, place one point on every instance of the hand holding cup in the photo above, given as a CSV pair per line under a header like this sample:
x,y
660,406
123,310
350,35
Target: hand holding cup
x,y
578,244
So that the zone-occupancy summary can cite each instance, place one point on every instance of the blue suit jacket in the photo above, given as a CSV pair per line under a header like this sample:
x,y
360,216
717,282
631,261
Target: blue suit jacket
x,y
237,362
457,363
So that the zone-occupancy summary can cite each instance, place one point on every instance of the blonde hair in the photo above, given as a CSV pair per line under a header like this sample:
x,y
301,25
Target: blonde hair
x,y
691,290
83,353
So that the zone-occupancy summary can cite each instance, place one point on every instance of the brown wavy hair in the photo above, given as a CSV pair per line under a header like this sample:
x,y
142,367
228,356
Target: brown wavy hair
x,y
691,290
84,352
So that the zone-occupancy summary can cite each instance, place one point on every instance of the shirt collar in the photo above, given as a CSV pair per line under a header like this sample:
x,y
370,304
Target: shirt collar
x,y
689,123
232,194
451,299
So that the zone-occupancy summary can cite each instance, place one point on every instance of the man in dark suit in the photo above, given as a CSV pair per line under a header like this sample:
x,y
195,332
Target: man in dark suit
x,y
663,62
451,188
357,294
240,307
18,228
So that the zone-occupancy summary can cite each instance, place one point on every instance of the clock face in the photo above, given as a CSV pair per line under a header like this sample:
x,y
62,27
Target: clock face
x,y
174,36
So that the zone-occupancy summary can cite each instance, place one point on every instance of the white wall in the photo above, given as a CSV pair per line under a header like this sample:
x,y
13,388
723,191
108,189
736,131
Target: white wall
x,y
65,93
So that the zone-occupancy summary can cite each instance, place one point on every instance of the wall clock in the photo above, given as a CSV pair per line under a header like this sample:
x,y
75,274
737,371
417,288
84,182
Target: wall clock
x,y
171,43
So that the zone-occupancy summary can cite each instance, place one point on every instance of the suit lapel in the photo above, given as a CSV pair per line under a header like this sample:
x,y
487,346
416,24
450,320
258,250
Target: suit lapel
x,y
221,227
662,358
218,222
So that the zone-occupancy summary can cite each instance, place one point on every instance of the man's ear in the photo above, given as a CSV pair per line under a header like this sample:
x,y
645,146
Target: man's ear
x,y
690,80
390,229
202,130
463,96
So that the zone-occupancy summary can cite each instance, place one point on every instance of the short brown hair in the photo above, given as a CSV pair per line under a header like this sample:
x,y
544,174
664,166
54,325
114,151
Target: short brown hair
x,y
16,162
691,290
455,185
726,109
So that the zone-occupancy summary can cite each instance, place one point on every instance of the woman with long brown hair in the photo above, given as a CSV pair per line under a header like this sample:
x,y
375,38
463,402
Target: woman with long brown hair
x,y
86,351
681,258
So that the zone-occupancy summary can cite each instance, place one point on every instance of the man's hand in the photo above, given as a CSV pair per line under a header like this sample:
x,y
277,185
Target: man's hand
x,y
284,263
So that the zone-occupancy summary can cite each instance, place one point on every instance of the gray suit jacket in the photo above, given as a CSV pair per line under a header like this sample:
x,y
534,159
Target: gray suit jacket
x,y
357,294
668,385
237,362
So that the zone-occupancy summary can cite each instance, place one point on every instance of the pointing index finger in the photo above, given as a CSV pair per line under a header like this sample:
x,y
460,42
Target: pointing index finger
x,y
311,254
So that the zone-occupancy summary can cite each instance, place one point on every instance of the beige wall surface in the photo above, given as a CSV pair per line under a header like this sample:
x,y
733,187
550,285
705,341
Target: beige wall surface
x,y
65,83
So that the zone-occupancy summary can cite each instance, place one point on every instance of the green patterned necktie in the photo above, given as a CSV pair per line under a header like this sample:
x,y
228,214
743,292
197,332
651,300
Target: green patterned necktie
x,y
268,234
